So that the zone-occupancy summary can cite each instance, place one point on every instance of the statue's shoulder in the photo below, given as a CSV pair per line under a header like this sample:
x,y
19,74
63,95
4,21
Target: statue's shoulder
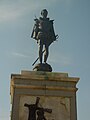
x,y
51,21
36,20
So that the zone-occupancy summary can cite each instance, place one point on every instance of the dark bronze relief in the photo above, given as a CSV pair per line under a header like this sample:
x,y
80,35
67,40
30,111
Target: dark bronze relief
x,y
36,111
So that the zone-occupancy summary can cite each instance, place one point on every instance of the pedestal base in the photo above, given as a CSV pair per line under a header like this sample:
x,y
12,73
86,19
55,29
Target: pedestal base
x,y
39,95
43,67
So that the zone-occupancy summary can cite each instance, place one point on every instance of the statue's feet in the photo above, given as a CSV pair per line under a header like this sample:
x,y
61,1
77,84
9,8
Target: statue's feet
x,y
43,67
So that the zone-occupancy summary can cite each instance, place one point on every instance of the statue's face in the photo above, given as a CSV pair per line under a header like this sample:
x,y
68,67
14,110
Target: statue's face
x,y
44,14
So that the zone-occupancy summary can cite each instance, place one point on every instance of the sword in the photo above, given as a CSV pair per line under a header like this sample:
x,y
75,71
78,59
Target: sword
x,y
37,58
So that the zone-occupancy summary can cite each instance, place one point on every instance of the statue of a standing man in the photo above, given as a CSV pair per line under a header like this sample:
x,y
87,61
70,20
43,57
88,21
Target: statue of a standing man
x,y
43,32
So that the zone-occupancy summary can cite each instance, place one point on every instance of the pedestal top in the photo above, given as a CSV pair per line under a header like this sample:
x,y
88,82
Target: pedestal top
x,y
38,80
40,75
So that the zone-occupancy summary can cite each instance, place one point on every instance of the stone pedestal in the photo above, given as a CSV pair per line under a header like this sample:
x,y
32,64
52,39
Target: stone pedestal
x,y
39,95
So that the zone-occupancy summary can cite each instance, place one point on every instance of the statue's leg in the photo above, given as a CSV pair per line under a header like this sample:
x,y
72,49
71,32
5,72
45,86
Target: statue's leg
x,y
40,52
46,53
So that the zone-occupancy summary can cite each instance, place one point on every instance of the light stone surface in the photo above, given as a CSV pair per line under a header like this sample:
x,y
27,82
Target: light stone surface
x,y
57,91
60,107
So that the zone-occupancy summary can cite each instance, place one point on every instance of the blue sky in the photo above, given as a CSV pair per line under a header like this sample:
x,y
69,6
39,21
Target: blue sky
x,y
69,54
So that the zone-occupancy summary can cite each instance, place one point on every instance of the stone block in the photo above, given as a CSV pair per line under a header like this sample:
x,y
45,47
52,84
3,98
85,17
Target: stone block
x,y
56,93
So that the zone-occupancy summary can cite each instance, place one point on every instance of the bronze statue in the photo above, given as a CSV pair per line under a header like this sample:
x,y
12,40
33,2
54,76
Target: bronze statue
x,y
43,32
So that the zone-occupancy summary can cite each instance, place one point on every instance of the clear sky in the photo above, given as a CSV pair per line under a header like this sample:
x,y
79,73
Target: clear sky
x,y
69,54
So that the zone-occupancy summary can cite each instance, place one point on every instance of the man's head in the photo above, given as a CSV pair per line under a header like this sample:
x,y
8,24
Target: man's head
x,y
37,100
44,13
